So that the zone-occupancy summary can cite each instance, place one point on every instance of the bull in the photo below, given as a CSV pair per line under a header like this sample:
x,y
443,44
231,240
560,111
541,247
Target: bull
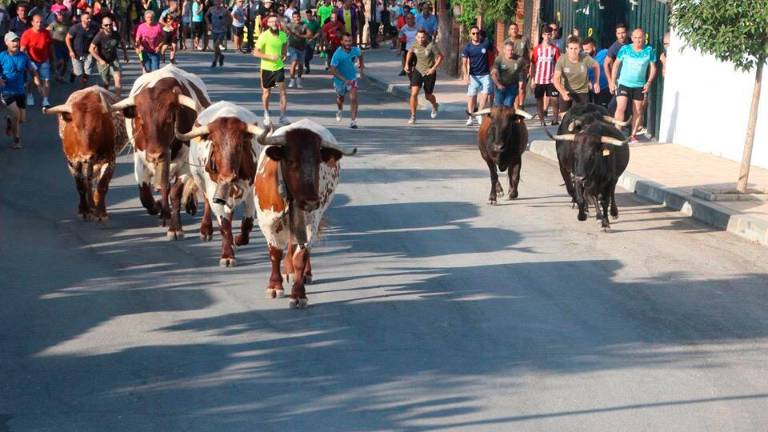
x,y
297,174
91,137
502,139
159,104
222,161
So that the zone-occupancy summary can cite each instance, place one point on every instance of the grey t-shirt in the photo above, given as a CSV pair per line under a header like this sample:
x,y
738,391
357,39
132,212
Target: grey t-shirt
x,y
425,56
219,21
294,41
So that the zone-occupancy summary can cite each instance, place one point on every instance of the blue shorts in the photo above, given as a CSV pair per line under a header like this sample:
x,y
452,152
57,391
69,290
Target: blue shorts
x,y
479,84
505,97
341,87
295,55
44,70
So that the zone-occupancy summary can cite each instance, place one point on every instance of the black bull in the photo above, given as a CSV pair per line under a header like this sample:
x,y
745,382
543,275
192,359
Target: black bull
x,y
502,139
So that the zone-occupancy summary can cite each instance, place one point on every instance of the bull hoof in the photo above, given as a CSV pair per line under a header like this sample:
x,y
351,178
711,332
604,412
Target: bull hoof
x,y
240,240
191,207
615,213
174,235
155,210
582,216
227,262
492,202
101,218
298,303
273,293
307,279
512,196
85,216
206,237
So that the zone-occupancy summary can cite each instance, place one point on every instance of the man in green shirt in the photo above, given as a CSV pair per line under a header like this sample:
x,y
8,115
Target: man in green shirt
x,y
505,75
313,24
571,78
272,48
325,11
428,59
522,48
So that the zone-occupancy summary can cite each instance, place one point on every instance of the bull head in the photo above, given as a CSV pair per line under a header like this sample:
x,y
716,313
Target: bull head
x,y
488,111
65,110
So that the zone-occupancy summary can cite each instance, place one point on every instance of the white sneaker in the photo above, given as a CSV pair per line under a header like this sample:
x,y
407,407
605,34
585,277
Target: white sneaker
x,y
412,120
433,114
291,83
353,124
30,100
267,119
284,120
298,83
338,115
469,121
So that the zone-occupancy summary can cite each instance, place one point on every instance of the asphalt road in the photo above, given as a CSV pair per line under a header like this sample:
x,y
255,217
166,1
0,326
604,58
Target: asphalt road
x,y
430,311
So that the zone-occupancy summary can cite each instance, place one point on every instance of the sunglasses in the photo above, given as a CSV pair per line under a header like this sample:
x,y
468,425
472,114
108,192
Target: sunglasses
x,y
106,26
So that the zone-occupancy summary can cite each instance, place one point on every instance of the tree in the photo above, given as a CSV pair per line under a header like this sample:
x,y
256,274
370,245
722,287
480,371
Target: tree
x,y
735,32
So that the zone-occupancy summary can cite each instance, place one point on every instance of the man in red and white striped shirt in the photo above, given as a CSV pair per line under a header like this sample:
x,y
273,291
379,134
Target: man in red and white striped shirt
x,y
543,59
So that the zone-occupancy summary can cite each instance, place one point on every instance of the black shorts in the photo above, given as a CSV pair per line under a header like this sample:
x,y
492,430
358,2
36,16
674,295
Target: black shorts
x,y
419,80
634,93
19,99
541,89
270,78
239,31
576,98
603,98
197,29
169,37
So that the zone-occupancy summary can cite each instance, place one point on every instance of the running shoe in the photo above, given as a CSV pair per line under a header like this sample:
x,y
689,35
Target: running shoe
x,y
298,83
284,120
470,121
338,115
30,100
412,120
433,114
353,124
291,83
633,139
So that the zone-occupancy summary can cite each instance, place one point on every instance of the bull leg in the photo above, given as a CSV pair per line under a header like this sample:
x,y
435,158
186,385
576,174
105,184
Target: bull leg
x,y
605,198
100,193
165,208
275,286
227,251
614,207
288,262
494,182
514,179
147,200
206,225
83,209
598,208
175,229
308,271
298,293
568,182
581,201
246,224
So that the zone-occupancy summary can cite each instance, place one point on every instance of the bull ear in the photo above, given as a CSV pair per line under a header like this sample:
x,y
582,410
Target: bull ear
x,y
327,154
276,153
129,112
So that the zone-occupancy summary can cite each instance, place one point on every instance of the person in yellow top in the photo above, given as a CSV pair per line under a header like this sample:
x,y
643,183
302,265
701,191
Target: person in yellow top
x,y
272,48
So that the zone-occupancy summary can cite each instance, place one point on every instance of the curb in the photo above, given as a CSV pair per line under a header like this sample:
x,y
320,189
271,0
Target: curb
x,y
404,91
745,226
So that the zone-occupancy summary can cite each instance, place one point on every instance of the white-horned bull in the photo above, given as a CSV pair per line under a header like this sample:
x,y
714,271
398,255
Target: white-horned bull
x,y
91,137
296,178
222,160
502,139
161,103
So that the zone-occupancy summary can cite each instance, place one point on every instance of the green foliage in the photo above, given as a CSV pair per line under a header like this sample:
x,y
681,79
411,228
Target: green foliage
x,y
491,10
733,31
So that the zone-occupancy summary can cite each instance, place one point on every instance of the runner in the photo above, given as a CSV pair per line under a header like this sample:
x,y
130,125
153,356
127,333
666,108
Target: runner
x,y
506,75
149,37
543,59
427,21
332,31
298,34
37,44
169,19
198,26
218,22
59,30
571,78
345,76
238,23
613,51
14,66
424,74
104,50
272,48
636,61
78,40
313,24
604,96
407,37
476,72
522,47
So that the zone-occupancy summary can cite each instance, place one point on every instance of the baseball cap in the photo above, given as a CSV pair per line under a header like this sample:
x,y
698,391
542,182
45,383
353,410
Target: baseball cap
x,y
11,36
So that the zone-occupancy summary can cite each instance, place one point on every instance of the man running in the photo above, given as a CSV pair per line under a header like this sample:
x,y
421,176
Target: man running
x,y
407,37
169,19
78,40
104,50
14,66
332,31
522,49
571,77
637,61
217,18
298,34
342,68
476,72
271,48
506,75
37,43
613,51
149,38
424,74
603,98
543,59
313,24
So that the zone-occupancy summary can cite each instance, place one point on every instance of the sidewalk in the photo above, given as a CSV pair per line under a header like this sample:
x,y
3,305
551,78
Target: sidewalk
x,y
663,173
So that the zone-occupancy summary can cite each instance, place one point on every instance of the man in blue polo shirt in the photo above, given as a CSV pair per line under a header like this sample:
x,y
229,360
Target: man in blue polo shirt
x,y
477,73
14,66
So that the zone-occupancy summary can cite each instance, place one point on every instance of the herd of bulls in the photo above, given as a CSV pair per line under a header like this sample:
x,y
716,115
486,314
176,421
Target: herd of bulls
x,y
591,149
188,149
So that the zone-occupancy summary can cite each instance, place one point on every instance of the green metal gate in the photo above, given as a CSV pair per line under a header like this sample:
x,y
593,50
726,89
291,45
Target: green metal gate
x,y
598,19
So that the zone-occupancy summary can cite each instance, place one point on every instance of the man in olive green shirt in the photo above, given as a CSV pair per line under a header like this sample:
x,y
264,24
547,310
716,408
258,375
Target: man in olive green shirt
x,y
505,74
522,48
424,73
571,78
272,48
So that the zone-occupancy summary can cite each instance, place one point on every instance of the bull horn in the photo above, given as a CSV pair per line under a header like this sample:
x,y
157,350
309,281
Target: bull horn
x,y
617,123
566,137
194,133
612,141
342,150
104,103
523,114
188,102
125,103
482,112
255,130
274,140
58,109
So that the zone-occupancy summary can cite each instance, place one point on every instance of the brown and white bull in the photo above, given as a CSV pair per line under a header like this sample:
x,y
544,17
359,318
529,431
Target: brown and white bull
x,y
159,104
222,160
297,174
91,137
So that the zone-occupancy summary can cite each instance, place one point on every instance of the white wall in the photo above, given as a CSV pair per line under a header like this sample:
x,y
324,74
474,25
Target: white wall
x,y
706,105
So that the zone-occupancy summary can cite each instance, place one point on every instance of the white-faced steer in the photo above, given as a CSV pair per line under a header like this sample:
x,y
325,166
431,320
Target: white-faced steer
x,y
296,178
160,103
222,160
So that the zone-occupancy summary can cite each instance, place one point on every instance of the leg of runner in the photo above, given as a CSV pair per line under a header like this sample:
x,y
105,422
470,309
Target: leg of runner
x,y
414,100
637,120
283,102
353,107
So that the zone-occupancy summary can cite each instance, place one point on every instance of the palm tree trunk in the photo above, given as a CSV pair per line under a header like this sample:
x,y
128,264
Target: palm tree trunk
x,y
746,158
